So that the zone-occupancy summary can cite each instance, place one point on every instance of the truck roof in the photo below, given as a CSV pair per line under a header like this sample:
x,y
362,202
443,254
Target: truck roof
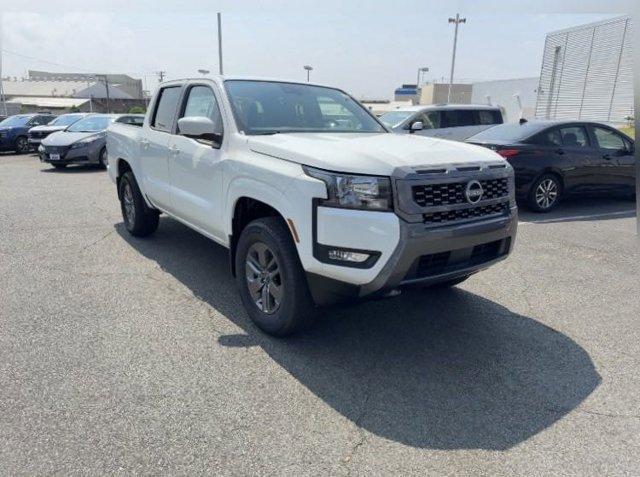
x,y
247,78
428,107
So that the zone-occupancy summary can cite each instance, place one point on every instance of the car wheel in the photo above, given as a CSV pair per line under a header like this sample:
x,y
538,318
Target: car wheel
x,y
545,193
272,283
104,160
22,145
59,166
139,219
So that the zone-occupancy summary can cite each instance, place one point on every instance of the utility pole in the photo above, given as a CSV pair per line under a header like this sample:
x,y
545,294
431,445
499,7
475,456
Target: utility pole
x,y
160,74
220,42
457,20
106,85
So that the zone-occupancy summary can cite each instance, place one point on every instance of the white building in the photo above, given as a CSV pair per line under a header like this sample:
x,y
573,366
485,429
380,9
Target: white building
x,y
516,97
587,73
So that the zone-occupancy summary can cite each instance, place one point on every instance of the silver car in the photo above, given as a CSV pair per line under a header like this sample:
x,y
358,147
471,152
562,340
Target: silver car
x,y
448,121
84,141
38,133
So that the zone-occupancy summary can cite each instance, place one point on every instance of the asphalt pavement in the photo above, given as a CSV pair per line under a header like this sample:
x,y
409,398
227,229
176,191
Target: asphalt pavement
x,y
125,355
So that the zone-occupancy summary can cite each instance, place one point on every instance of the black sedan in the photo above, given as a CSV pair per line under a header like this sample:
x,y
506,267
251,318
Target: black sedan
x,y
553,159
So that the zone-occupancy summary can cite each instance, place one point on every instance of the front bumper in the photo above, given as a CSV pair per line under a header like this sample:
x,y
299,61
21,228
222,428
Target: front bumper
x,y
89,154
426,256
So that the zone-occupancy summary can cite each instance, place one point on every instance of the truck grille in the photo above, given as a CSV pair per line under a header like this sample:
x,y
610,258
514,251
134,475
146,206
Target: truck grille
x,y
462,214
452,193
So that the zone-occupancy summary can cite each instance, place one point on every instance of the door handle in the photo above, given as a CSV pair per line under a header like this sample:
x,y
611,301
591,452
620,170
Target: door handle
x,y
606,156
145,143
560,151
174,150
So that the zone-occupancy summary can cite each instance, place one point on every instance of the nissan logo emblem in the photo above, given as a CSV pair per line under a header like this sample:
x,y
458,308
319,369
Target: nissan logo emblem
x,y
473,192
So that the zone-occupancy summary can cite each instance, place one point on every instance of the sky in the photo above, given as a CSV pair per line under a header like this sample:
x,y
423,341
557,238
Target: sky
x,y
366,48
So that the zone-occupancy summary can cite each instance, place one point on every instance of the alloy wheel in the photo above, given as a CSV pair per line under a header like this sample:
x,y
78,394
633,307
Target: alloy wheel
x,y
547,193
22,145
129,206
264,279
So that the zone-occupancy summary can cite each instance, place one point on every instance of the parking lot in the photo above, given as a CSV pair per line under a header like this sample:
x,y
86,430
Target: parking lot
x,y
135,355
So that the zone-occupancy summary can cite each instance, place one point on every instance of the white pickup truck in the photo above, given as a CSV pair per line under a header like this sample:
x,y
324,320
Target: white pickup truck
x,y
316,200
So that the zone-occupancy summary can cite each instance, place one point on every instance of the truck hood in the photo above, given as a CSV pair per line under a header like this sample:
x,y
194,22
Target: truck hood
x,y
64,138
378,154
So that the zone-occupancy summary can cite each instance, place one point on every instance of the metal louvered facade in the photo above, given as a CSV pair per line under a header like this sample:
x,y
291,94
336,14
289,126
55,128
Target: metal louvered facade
x,y
587,73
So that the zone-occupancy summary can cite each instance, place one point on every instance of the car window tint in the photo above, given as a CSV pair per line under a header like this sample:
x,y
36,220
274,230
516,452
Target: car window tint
x,y
607,139
551,137
489,117
575,136
458,118
431,120
202,102
166,108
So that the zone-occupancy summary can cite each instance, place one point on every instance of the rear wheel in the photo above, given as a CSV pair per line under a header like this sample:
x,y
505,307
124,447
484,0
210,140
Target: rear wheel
x,y
272,283
139,219
22,145
545,193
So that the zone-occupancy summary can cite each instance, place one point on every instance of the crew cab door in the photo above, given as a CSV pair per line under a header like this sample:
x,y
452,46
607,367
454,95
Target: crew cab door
x,y
195,165
154,147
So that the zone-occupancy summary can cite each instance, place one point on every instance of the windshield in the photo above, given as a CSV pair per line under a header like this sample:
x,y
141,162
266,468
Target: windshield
x,y
394,118
66,120
265,107
15,121
512,132
91,124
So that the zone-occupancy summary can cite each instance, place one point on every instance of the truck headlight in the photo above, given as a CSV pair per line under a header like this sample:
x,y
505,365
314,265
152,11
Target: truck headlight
x,y
354,191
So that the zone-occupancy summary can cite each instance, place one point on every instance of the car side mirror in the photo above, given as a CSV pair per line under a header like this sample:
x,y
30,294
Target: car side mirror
x,y
417,126
199,127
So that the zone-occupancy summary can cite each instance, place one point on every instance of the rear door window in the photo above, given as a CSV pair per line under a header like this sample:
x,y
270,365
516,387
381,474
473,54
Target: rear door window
x,y
166,108
453,118
489,117
574,136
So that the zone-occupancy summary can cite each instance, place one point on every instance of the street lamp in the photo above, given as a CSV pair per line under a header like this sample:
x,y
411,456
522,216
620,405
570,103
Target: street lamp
x,y
424,69
309,70
204,72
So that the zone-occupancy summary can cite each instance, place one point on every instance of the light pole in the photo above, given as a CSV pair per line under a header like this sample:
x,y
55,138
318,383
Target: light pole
x,y
204,72
220,42
424,69
457,20
309,70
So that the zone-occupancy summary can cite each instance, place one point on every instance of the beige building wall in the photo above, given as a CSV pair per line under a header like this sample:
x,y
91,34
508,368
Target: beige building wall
x,y
436,93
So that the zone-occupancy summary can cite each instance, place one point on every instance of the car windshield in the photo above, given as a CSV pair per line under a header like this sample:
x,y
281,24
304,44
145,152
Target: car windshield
x,y
15,121
91,124
512,132
394,118
269,107
66,120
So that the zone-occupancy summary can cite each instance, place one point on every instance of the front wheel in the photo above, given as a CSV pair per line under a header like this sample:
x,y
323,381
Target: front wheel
x,y
139,219
104,160
272,283
22,145
545,193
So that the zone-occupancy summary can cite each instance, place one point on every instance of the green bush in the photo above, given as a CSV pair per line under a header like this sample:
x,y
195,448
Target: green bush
x,y
137,110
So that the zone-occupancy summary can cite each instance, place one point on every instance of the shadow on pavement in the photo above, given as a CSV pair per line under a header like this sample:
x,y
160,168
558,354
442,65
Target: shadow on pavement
x,y
431,369
583,209
72,169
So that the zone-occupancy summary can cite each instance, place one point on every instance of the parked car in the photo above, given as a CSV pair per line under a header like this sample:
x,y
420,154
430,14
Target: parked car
x,y
447,121
314,198
38,133
14,131
553,159
84,141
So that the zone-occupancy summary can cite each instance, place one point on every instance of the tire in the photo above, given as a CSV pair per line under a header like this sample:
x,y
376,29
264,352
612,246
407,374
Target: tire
x,y
450,283
21,145
139,219
272,283
59,166
102,158
545,193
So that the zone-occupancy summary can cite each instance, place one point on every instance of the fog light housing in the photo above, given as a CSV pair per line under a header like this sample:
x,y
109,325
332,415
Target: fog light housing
x,y
347,256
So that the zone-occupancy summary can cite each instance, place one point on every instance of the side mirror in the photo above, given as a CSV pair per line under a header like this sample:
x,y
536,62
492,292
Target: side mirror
x,y
417,126
199,127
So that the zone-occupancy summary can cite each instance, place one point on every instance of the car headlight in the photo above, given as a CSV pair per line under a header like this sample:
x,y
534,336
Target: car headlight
x,y
354,191
84,142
